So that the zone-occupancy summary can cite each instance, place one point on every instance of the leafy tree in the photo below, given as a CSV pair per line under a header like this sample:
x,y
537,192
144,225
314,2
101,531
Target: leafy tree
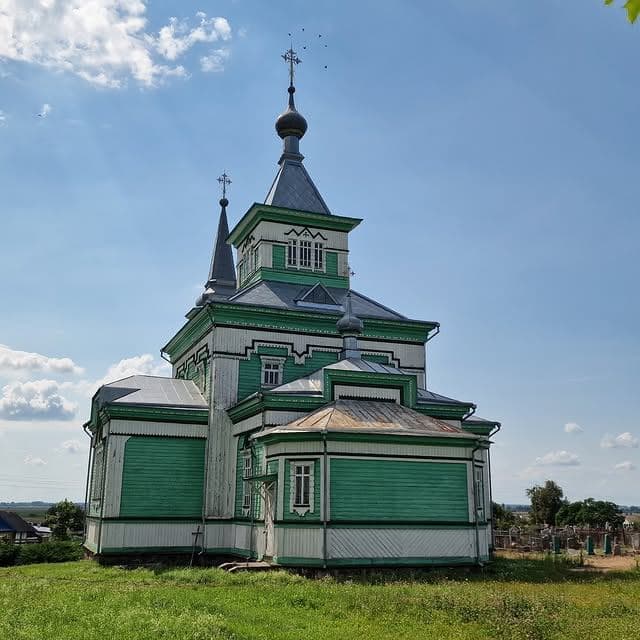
x,y
632,7
503,518
545,502
64,518
595,513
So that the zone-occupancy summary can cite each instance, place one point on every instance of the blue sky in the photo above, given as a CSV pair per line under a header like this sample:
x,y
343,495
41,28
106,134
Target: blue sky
x,y
490,147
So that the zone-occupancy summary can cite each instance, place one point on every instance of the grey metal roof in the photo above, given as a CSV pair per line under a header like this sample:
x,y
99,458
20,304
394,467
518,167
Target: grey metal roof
x,y
366,416
314,383
152,390
293,188
283,295
430,396
478,420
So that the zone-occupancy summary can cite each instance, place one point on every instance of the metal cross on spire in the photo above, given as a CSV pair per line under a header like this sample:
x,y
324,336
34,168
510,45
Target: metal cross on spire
x,y
224,180
291,57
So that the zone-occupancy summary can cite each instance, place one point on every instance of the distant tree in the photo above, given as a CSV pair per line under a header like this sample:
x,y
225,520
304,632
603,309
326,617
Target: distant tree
x,y
64,518
503,518
632,7
545,502
595,513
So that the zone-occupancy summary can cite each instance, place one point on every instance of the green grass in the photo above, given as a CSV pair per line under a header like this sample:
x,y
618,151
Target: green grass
x,y
513,599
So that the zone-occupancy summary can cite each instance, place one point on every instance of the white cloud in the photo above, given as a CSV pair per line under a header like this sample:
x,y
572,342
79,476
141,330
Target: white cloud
x,y
11,359
71,446
573,427
105,42
558,458
3,118
622,441
36,462
215,61
35,400
627,465
176,38
144,364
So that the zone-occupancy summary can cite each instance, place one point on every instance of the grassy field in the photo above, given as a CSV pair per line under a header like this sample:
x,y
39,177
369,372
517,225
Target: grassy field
x,y
514,599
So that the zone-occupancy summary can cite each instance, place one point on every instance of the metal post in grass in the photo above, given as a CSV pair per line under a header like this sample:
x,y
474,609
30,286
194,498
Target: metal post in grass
x,y
607,544
589,545
555,544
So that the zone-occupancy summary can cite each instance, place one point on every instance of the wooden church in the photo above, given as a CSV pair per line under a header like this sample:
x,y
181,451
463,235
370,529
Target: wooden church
x,y
297,427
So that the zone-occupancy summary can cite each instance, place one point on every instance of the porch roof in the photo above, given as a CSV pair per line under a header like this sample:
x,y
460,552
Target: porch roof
x,y
367,416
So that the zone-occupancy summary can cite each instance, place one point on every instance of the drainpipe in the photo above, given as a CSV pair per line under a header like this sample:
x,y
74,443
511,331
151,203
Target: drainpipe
x,y
88,480
325,502
475,504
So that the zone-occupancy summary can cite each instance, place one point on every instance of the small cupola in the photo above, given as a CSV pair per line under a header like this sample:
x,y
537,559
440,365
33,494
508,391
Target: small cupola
x,y
349,327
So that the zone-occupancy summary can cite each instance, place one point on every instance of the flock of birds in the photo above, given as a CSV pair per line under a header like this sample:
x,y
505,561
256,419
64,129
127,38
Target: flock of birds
x,y
308,46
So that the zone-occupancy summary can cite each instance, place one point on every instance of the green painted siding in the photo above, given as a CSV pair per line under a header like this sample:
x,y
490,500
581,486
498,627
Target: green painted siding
x,y
297,276
277,256
250,370
331,258
162,477
310,515
377,358
398,490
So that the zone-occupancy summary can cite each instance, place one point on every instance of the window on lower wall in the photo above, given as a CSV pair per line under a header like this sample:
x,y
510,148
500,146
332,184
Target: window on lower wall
x,y
302,482
479,497
247,472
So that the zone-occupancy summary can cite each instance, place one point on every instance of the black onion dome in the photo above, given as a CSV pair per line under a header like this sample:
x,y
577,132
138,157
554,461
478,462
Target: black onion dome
x,y
291,123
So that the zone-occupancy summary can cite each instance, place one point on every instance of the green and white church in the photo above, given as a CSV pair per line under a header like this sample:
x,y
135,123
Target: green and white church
x,y
297,427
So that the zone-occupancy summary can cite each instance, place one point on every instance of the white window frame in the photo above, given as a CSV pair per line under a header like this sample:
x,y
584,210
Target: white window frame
x,y
292,253
276,366
306,254
318,256
301,509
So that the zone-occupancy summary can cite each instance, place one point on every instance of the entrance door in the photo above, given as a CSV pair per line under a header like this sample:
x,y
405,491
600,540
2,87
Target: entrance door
x,y
269,517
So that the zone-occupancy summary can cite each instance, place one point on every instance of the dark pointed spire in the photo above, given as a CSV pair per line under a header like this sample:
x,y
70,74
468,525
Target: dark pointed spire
x,y
349,327
221,283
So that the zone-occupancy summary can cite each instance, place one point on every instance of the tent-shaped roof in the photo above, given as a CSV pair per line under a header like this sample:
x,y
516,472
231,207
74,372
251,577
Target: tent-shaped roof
x,y
366,416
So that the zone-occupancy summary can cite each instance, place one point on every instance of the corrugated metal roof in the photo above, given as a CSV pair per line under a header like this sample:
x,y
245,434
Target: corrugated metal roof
x,y
314,382
153,390
366,416
282,295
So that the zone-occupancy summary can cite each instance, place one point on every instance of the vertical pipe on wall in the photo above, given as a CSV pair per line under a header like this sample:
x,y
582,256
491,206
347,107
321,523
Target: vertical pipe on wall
x,y
325,496
475,501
